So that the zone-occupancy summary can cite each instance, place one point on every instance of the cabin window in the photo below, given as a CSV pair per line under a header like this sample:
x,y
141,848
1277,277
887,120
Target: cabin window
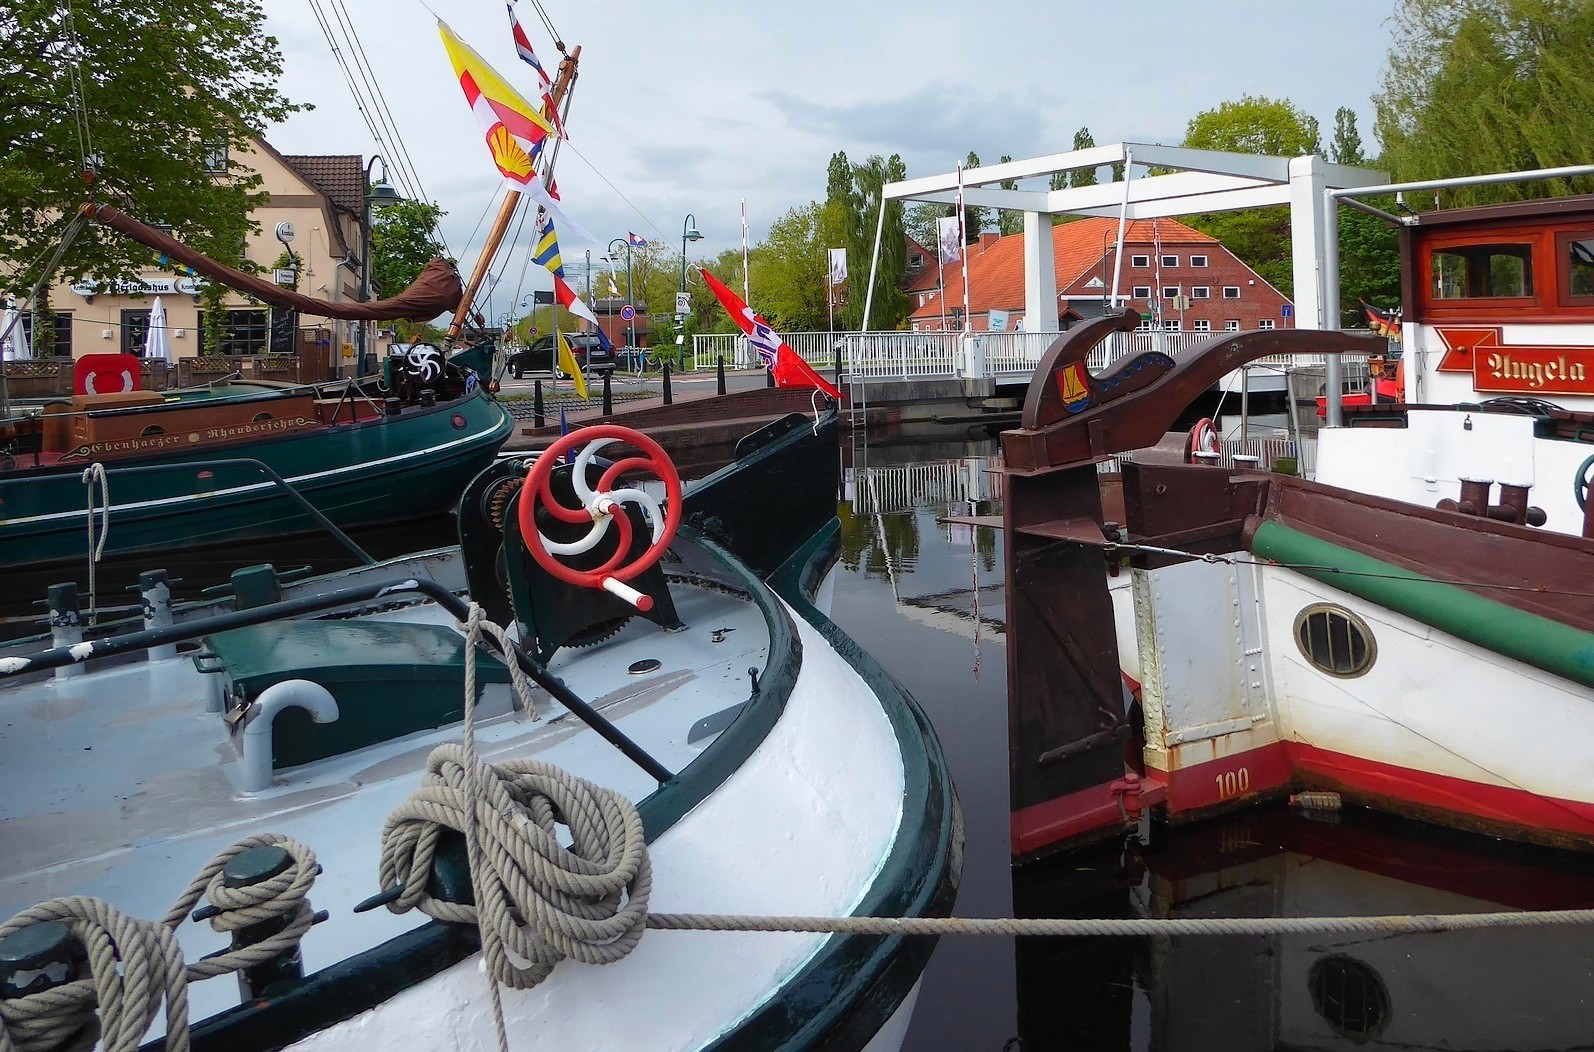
x,y
1481,271
1577,259
1335,640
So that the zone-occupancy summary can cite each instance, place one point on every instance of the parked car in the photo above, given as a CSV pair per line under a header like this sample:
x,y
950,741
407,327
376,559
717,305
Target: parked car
x,y
542,356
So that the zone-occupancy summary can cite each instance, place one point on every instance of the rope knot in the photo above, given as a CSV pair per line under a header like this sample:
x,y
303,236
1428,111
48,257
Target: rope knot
x,y
537,902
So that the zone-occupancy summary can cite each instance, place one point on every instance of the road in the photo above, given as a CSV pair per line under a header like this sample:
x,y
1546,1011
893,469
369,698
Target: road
x,y
735,380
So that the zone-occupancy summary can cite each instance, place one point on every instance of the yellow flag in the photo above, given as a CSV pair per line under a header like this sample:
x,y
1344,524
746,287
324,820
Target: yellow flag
x,y
511,124
567,362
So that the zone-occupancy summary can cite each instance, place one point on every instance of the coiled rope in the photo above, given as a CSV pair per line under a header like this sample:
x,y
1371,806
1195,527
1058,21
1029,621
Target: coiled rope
x,y
136,965
96,473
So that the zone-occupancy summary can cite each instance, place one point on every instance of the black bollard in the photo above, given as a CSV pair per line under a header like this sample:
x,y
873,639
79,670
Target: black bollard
x,y
769,378
608,399
667,399
39,957
719,365
243,870
537,418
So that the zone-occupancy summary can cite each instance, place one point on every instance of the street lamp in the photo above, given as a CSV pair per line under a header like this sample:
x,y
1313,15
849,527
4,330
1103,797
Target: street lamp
x,y
630,325
689,232
376,195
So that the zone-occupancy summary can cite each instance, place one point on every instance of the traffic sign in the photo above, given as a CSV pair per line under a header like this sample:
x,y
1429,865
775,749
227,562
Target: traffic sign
x,y
1286,311
683,303
534,330
628,312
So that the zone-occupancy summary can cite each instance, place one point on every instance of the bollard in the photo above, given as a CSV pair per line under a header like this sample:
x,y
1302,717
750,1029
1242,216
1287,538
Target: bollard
x,y
39,957
243,870
255,586
719,366
608,399
667,399
155,589
537,419
66,626
392,406
769,378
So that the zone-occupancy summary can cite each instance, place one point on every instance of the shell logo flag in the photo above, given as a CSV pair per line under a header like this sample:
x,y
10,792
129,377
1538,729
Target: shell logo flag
x,y
512,125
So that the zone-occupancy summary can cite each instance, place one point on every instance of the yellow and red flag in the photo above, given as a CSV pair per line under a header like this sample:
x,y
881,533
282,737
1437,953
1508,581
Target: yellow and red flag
x,y
511,124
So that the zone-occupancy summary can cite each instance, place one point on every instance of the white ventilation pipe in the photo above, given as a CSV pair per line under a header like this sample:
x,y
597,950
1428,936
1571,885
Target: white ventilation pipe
x,y
289,694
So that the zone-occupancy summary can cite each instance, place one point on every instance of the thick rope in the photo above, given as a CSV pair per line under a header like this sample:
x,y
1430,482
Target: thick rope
x,y
1134,926
96,473
151,970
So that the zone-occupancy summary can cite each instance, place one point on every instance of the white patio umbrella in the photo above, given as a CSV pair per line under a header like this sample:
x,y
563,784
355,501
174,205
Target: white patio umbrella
x,y
15,346
156,345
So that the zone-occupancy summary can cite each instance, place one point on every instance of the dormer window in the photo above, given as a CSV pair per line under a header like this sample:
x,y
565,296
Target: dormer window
x,y
215,157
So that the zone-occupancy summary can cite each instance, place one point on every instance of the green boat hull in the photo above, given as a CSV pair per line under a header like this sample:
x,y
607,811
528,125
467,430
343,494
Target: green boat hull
x,y
391,469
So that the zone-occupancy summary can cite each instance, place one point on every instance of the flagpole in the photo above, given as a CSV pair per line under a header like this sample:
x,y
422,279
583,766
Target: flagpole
x,y
506,211
747,293
963,236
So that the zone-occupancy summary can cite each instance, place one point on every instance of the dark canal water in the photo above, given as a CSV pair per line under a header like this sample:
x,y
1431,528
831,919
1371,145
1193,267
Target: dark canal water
x,y
926,599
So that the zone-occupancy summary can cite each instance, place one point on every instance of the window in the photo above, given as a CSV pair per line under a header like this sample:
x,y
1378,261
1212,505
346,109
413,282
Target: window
x,y
1170,325
1202,325
1198,261
215,157
1577,259
1265,324
1335,640
1144,326
135,326
51,337
1170,261
1142,292
1231,292
1481,271
1201,292
916,261
1170,291
1232,325
246,332
1140,261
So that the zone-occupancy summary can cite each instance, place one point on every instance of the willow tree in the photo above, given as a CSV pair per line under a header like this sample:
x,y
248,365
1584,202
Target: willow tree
x,y
1478,86
890,306
158,98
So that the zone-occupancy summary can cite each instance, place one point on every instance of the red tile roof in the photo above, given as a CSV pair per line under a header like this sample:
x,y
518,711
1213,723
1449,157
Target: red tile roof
x,y
996,266
340,176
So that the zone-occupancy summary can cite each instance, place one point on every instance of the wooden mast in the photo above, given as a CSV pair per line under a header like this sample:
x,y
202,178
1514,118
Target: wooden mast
x,y
559,92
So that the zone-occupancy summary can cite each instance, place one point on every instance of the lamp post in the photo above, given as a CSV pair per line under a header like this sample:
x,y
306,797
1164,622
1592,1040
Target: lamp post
x,y
630,326
689,232
375,196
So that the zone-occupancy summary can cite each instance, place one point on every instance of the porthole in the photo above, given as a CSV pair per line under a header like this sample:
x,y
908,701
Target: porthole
x,y
151,431
261,418
1335,640
1349,996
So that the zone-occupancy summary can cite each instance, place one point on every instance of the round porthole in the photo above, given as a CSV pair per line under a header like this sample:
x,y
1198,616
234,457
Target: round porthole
x,y
261,418
1349,996
151,431
1335,640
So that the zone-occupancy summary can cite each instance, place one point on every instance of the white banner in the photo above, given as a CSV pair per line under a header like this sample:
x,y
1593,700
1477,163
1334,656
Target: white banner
x,y
838,266
949,230
996,320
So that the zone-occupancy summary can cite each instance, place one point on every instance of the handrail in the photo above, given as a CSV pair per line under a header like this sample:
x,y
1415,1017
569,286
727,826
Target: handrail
x,y
59,657
241,462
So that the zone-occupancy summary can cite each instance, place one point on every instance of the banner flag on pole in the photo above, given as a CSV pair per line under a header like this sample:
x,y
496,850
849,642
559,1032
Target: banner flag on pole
x,y
636,240
512,126
949,232
783,363
838,266
567,362
614,286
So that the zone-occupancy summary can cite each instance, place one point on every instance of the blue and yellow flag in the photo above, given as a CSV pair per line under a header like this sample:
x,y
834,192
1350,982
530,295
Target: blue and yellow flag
x,y
547,250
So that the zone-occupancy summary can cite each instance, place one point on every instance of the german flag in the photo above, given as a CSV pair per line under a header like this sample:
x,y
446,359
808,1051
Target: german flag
x,y
1384,323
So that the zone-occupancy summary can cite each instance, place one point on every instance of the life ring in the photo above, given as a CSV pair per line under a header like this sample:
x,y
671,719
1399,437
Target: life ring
x,y
1204,438
94,374
601,508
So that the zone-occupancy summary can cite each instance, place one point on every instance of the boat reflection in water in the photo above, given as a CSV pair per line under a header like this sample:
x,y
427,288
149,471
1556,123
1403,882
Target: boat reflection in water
x,y
1504,988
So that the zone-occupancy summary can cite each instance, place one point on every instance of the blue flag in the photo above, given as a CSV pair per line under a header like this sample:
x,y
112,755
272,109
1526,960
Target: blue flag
x,y
564,429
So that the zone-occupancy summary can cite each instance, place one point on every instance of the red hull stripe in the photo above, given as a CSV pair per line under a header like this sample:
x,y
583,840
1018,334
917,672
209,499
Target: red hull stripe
x,y
1038,826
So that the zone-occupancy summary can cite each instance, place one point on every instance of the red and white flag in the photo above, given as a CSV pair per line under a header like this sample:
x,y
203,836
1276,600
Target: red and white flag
x,y
571,302
784,363
523,49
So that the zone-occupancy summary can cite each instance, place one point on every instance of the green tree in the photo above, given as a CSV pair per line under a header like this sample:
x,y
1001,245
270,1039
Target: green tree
x,y
159,98
1009,221
792,281
891,305
402,244
973,216
1083,140
1479,86
1260,237
920,222
1347,145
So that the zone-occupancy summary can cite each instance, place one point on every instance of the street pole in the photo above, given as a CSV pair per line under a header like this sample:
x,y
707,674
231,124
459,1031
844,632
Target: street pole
x,y
689,232
630,326
380,194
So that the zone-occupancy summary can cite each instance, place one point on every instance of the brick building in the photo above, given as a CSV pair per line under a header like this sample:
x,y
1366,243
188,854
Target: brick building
x,y
1178,278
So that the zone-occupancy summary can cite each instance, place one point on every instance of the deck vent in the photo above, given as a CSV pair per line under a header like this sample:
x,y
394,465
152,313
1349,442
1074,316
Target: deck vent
x,y
1335,640
1349,996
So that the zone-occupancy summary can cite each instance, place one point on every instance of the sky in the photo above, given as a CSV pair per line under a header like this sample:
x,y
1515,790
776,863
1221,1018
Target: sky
x,y
694,106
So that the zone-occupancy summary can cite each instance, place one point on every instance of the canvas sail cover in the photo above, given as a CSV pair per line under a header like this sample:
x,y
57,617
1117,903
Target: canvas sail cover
x,y
435,291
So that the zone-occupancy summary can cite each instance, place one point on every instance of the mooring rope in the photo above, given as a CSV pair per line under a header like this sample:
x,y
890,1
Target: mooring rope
x,y
136,965
96,473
